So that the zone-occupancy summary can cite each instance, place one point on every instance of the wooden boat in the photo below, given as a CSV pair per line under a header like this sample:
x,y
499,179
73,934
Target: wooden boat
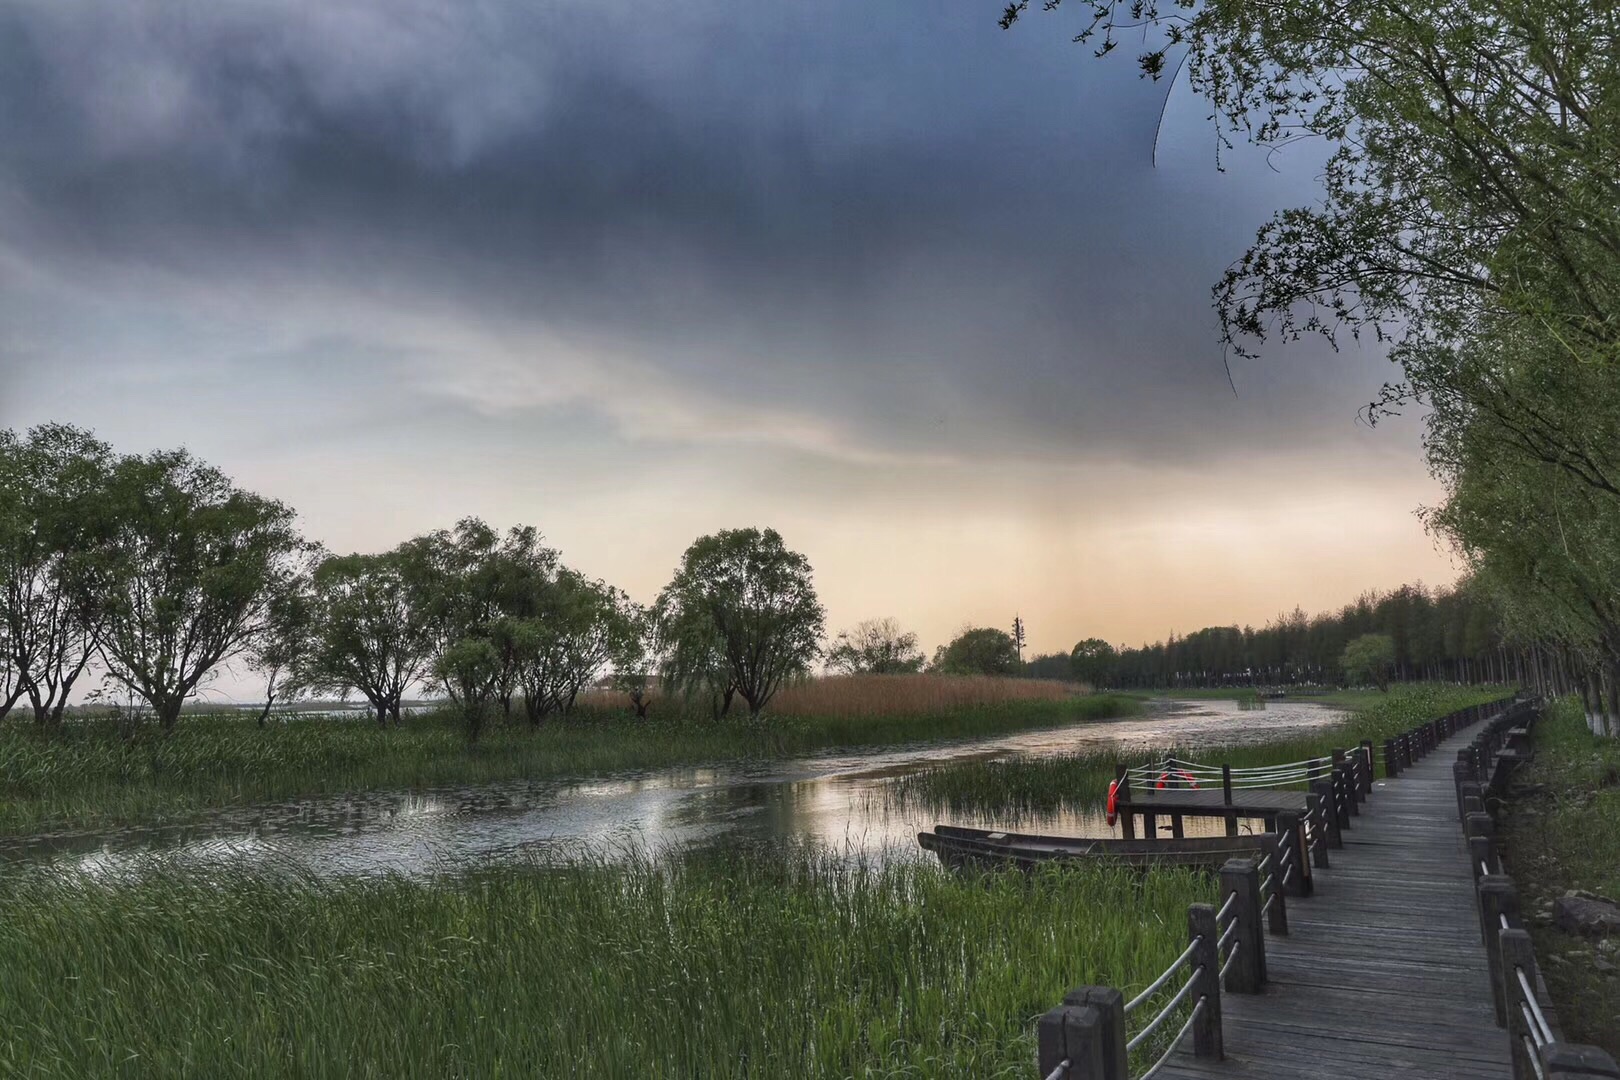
x,y
958,847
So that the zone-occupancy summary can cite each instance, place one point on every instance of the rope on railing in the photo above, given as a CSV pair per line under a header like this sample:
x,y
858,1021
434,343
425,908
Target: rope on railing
x,y
1175,1042
1226,909
1175,966
1226,937
1230,957
1174,1003
1540,1029
1059,1072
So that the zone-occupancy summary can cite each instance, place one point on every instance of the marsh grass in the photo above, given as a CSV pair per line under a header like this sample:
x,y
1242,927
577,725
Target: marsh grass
x,y
87,775
713,966
1020,786
1565,834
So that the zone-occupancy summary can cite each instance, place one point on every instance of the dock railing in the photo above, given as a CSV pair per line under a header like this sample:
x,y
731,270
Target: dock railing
x,y
1482,773
1087,1038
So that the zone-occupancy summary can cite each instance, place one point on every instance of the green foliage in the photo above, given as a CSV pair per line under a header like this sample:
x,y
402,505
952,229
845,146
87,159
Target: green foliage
x,y
1564,833
52,498
714,966
875,647
740,615
1369,658
369,628
982,650
1093,661
194,570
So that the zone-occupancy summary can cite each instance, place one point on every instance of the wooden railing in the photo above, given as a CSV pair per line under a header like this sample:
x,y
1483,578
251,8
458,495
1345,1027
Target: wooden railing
x,y
1482,773
1086,1037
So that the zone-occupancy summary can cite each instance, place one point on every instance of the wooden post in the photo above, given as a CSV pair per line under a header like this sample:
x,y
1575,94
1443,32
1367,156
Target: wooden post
x,y
1291,833
1247,975
1497,898
1366,767
1271,886
1110,1006
1317,818
1517,954
1226,797
1570,1060
1459,777
1206,963
1481,825
1177,828
1392,759
1071,1033
1346,799
1329,815
1122,801
1481,857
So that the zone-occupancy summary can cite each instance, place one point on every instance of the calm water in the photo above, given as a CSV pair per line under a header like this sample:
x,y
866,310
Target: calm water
x,y
831,799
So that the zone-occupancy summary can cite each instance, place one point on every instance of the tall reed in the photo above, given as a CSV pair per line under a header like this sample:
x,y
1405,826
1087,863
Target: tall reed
x,y
717,966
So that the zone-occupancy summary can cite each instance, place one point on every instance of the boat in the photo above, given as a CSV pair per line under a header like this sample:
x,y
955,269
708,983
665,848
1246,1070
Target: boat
x,y
958,847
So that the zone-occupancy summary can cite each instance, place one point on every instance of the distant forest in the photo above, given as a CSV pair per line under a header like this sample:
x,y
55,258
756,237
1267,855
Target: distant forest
x,y
1451,634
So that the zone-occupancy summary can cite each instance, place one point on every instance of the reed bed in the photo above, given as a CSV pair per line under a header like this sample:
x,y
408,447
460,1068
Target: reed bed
x,y
714,966
87,775
861,696
1020,786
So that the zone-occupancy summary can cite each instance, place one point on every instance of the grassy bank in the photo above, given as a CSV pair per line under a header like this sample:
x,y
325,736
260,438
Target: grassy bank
x,y
722,966
1564,833
87,775
1080,781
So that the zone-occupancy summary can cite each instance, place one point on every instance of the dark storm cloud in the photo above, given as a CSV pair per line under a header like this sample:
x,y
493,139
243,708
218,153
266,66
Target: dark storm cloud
x,y
926,235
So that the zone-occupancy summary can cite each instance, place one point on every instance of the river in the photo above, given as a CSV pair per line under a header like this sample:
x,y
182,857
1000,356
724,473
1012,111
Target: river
x,y
833,799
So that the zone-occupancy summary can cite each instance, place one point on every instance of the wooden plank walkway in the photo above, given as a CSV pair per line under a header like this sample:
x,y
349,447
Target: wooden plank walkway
x,y
1382,973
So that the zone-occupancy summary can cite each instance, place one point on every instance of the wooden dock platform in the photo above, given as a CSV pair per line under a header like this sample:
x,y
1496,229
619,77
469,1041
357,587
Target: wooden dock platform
x,y
1382,972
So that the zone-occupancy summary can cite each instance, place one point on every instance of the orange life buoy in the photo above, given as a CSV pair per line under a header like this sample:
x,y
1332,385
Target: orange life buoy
x,y
1173,774
1113,801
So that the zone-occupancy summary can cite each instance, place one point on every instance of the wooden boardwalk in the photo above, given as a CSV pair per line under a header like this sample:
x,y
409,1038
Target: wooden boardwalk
x,y
1382,973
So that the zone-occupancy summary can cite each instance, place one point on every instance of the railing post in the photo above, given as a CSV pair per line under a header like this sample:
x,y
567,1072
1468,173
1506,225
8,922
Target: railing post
x,y
1392,759
1316,817
1345,763
1110,1006
1206,960
1296,879
1366,767
1226,796
1272,900
1328,815
1570,1060
1247,975
1342,799
1497,898
1517,954
1482,857
1071,1033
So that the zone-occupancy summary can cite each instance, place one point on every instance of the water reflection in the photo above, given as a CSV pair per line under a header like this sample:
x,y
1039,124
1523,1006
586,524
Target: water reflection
x,y
833,799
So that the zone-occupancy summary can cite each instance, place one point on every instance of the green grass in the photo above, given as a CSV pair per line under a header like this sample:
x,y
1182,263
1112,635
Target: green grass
x,y
1565,834
86,775
717,966
1079,782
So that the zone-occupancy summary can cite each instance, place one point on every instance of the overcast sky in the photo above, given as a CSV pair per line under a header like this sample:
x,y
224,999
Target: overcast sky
x,y
900,284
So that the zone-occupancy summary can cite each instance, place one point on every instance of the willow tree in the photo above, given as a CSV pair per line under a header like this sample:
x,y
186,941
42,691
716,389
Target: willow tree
x,y
740,616
52,516
194,570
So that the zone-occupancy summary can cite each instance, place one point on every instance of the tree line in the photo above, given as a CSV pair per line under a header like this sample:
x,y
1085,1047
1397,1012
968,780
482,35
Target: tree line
x,y
1468,224
1451,634
153,571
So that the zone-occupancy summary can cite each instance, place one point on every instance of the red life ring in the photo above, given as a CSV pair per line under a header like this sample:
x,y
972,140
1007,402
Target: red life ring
x,y
1113,801
1173,774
